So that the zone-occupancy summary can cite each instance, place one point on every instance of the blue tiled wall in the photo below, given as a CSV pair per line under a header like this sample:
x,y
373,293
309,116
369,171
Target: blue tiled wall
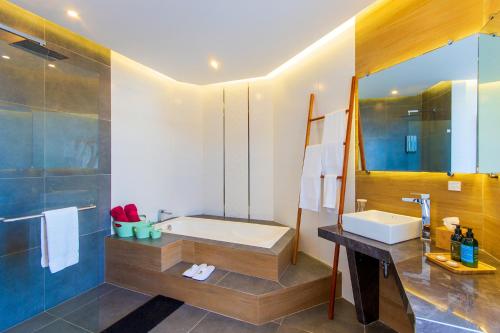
x,y
54,152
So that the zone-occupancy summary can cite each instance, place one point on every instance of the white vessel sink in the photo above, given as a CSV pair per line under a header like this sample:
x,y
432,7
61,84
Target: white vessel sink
x,y
384,227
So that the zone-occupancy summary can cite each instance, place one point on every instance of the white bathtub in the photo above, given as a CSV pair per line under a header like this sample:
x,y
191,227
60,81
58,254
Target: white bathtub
x,y
226,231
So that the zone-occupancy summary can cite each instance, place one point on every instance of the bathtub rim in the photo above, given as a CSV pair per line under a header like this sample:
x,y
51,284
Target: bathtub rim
x,y
228,220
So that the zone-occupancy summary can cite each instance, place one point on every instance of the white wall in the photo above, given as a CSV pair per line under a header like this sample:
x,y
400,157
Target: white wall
x,y
327,73
156,141
236,150
238,165
181,141
261,150
213,151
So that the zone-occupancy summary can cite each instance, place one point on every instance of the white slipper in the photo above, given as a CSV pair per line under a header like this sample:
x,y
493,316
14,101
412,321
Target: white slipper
x,y
204,273
193,270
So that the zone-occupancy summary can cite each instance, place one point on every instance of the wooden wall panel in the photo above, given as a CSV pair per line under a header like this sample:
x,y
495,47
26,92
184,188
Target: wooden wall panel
x,y
384,191
490,7
491,225
392,31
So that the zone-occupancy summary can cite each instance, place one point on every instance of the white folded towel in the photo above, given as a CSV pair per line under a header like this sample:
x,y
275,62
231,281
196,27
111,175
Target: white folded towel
x,y
59,238
333,155
204,273
310,182
310,193
330,190
312,161
332,158
335,126
193,270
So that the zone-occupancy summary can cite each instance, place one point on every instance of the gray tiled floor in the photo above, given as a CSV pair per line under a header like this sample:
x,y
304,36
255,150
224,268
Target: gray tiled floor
x,y
104,305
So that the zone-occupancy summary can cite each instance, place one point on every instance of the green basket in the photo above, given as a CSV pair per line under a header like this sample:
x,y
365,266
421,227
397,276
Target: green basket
x,y
125,229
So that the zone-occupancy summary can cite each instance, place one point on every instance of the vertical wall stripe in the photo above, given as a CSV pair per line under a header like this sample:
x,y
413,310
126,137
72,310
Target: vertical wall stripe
x,y
224,149
248,145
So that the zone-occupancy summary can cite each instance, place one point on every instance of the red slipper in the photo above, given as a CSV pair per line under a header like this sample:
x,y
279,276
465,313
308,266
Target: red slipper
x,y
131,211
118,214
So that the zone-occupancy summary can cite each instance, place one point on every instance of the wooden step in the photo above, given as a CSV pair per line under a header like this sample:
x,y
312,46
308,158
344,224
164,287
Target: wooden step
x,y
244,297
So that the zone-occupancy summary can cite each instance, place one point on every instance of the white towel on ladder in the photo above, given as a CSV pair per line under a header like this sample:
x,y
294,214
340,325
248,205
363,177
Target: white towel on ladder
x,y
330,191
335,126
332,158
59,238
310,182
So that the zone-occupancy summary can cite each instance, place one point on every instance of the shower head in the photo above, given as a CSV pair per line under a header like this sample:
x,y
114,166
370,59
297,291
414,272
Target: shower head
x,y
29,43
38,50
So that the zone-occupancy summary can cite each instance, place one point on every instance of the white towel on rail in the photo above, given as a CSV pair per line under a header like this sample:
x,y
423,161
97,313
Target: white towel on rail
x,y
335,126
310,182
333,155
330,190
59,238
332,158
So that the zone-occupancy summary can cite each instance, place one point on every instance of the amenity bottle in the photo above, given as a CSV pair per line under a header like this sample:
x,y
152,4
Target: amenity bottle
x,y
469,250
456,243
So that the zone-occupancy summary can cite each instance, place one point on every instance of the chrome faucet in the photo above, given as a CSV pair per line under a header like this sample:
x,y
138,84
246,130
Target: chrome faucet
x,y
425,202
164,215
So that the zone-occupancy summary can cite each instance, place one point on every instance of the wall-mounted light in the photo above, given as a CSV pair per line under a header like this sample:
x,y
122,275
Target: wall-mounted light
x,y
214,64
51,65
394,92
73,14
6,57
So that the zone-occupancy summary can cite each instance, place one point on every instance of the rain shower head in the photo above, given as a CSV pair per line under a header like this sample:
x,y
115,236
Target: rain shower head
x,y
26,42
38,50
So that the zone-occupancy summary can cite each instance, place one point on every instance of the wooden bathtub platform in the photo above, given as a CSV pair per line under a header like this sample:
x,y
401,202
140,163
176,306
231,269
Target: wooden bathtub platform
x,y
252,284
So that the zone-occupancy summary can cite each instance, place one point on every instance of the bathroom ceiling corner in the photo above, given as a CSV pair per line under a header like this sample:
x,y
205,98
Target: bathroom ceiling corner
x,y
181,38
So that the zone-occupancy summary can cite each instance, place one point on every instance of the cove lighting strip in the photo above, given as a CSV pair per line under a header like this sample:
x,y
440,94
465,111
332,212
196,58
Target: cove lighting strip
x,y
329,37
302,55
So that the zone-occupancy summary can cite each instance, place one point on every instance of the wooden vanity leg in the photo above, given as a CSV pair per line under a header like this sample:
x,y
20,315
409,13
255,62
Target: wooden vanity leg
x,y
365,285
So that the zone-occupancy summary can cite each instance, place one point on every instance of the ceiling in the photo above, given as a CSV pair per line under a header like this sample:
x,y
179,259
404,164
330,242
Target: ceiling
x,y
177,38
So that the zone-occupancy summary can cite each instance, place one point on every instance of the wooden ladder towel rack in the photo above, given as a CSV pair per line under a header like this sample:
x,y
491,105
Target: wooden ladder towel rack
x,y
343,178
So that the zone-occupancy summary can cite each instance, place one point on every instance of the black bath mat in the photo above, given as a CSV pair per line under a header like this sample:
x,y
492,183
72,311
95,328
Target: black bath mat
x,y
146,317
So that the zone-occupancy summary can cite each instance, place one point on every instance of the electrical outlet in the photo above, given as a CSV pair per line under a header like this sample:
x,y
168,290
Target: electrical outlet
x,y
455,186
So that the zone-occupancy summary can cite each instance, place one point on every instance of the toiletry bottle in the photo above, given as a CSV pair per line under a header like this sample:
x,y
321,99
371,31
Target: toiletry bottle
x,y
469,249
456,243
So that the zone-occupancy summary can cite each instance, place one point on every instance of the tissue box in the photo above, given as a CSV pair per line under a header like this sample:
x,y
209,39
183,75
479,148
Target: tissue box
x,y
443,237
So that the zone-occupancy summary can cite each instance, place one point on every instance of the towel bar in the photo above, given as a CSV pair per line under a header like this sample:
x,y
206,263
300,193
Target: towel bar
x,y
5,220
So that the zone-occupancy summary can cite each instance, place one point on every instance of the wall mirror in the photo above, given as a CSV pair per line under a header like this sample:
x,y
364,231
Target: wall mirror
x,y
489,98
421,115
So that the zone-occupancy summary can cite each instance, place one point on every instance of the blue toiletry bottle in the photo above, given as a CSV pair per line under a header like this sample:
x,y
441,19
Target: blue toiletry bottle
x,y
469,250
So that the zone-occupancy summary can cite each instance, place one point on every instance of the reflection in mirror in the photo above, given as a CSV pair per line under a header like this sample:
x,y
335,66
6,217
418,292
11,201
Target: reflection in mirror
x,y
489,98
421,115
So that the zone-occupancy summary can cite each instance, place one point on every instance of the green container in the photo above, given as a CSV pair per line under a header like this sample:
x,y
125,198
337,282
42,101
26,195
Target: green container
x,y
142,231
155,234
125,229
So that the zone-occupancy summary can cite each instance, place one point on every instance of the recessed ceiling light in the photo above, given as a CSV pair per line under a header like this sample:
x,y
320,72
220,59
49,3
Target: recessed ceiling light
x,y
72,13
51,65
214,64
6,57
394,92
